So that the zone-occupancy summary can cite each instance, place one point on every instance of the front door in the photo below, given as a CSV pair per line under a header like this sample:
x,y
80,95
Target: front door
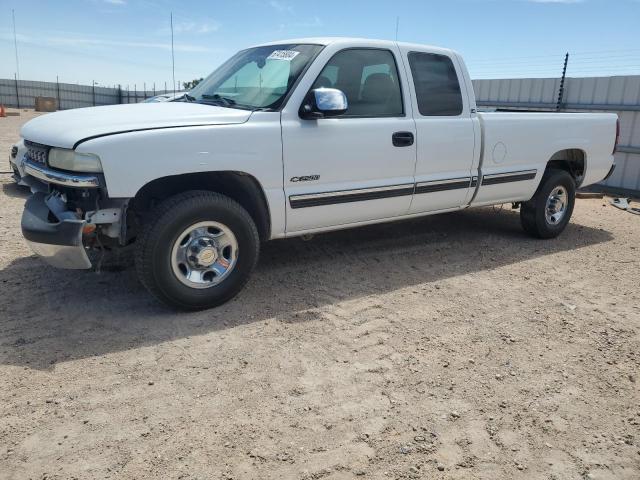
x,y
359,166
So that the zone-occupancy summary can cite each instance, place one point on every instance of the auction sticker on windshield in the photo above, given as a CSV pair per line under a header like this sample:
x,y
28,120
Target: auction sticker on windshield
x,y
287,55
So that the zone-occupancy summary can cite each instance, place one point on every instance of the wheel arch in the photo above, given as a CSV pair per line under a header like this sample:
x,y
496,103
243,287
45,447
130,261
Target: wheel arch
x,y
572,160
240,186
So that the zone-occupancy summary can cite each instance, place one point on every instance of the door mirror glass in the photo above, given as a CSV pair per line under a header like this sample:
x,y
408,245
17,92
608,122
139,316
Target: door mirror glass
x,y
324,102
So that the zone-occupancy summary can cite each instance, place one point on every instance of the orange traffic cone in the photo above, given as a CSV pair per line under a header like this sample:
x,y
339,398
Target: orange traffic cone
x,y
2,112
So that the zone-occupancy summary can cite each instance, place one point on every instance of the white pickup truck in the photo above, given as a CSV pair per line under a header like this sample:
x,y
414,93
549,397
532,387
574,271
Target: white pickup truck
x,y
293,138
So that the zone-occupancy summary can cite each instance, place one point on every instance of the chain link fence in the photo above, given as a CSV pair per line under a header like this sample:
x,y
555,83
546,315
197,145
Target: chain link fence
x,y
22,94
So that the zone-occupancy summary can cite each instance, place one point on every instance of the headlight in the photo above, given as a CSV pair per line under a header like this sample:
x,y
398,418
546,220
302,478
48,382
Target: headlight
x,y
74,161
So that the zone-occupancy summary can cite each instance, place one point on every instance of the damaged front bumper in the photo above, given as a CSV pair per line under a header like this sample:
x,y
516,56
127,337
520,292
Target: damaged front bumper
x,y
57,177
58,242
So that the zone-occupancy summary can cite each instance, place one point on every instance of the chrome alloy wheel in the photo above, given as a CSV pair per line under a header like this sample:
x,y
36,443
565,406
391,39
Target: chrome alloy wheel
x,y
204,254
557,203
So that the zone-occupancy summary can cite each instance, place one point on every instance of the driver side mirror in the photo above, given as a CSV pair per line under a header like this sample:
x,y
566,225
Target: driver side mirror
x,y
323,103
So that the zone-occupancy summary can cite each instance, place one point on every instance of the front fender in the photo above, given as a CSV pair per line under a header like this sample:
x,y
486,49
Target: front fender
x,y
133,159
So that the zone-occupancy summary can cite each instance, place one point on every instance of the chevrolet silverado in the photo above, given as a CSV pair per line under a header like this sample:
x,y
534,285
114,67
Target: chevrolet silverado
x,y
287,139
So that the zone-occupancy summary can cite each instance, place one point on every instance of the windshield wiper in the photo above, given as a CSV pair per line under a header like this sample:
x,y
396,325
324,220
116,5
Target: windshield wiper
x,y
227,102
189,98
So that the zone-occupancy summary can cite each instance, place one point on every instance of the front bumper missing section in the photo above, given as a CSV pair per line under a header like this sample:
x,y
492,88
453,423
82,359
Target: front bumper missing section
x,y
57,243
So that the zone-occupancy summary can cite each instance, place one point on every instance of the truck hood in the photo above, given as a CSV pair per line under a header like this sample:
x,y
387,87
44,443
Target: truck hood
x,y
67,128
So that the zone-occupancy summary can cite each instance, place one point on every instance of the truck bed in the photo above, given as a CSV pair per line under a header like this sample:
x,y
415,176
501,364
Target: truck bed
x,y
525,141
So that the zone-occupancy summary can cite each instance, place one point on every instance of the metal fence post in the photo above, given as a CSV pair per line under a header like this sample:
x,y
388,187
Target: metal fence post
x,y
135,93
93,91
561,89
58,93
17,93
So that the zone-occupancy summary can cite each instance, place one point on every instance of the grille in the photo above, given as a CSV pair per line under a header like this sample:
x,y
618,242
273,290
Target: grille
x,y
36,152
14,151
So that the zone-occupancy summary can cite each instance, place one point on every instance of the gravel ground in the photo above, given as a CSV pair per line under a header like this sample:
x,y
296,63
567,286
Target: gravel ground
x,y
450,347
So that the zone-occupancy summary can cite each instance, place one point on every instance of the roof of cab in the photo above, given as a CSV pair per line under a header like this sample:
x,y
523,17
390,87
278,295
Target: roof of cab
x,y
352,40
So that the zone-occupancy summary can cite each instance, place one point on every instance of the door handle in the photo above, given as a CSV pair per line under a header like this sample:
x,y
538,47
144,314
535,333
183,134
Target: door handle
x,y
402,139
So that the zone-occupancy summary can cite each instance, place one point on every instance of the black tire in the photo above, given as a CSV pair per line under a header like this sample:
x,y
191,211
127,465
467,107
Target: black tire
x,y
533,213
167,221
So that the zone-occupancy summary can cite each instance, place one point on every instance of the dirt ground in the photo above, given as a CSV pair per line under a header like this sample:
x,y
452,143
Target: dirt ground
x,y
449,347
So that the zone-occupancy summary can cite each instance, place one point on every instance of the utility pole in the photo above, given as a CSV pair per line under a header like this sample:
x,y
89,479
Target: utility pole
x,y
173,58
561,89
15,43
397,27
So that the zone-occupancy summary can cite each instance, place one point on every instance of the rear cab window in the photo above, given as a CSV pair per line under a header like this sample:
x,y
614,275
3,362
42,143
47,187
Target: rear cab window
x,y
436,83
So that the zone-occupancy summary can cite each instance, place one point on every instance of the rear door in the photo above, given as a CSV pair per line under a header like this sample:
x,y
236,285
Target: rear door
x,y
445,131
352,168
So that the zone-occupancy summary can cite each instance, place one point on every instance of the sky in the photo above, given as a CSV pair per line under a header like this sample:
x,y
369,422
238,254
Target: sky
x,y
128,42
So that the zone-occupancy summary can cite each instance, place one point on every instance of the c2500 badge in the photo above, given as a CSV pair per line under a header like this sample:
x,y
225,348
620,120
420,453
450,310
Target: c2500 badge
x,y
305,178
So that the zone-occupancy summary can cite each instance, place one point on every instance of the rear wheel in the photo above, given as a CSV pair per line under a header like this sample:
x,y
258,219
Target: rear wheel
x,y
197,251
547,214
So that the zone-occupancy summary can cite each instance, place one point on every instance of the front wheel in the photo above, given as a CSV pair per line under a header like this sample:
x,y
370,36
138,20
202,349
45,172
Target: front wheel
x,y
547,214
197,250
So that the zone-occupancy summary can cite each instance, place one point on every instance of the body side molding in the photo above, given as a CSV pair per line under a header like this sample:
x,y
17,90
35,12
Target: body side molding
x,y
518,176
348,196
376,193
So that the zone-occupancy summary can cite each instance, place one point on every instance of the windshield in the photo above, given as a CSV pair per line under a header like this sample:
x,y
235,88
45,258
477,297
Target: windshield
x,y
256,78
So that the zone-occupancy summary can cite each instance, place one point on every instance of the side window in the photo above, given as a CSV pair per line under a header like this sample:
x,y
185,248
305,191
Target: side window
x,y
369,79
436,83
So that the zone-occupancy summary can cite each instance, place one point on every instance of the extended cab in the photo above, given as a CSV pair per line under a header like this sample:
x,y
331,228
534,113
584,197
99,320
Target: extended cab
x,y
287,139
